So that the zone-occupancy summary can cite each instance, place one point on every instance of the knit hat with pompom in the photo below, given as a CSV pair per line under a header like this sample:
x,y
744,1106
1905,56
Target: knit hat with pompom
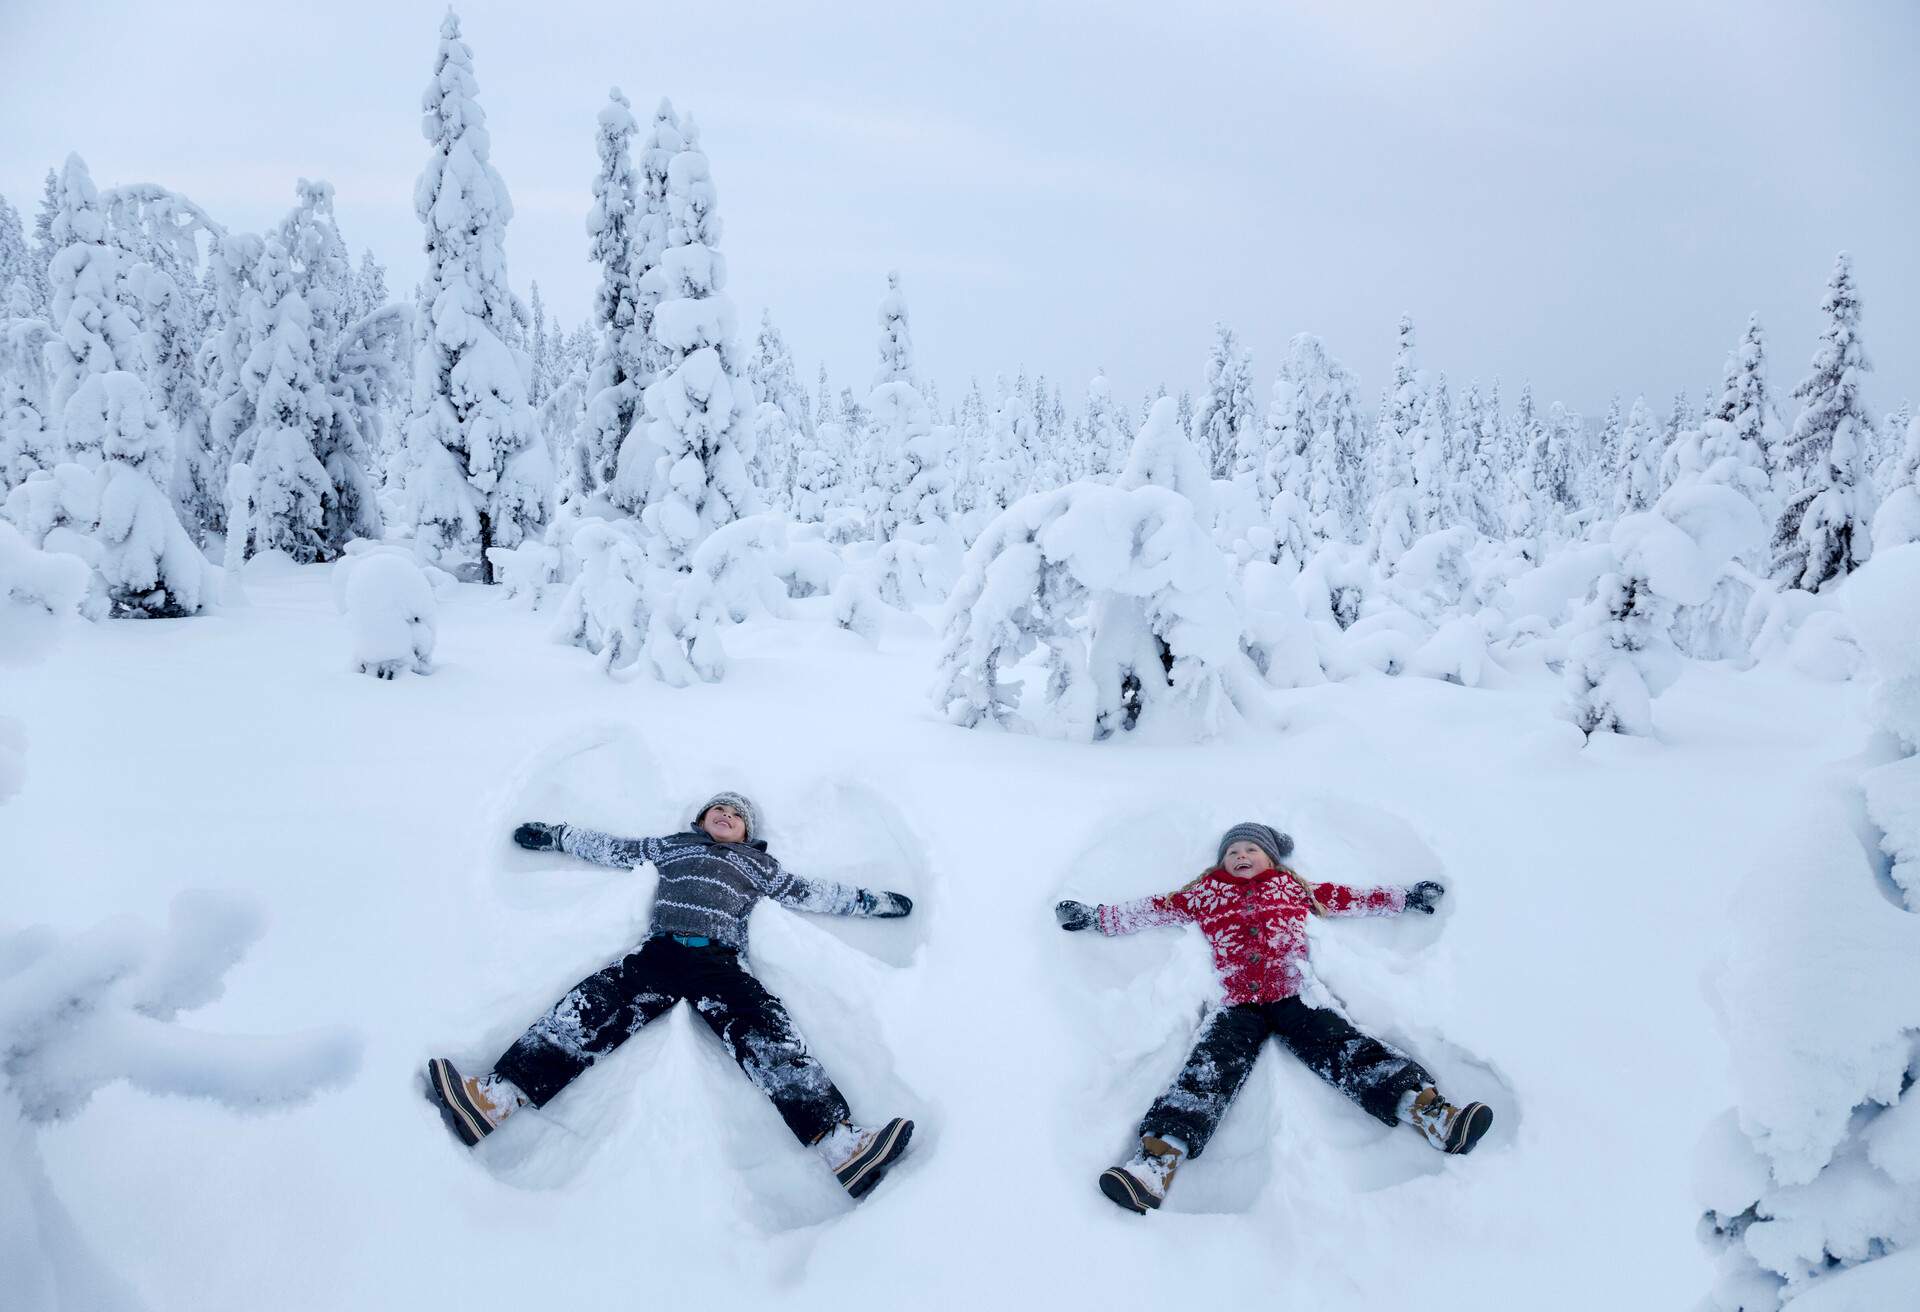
x,y
1275,844
748,811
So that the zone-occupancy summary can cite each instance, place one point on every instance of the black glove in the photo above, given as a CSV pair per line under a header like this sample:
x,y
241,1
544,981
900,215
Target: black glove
x,y
885,906
1424,894
538,837
1075,915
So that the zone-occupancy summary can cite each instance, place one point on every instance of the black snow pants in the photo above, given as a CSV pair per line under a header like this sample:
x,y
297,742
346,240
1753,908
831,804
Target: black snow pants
x,y
1365,1069
604,1010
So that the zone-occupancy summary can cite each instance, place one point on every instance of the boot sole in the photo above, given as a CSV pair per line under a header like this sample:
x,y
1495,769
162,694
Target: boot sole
x,y
1125,1191
1475,1119
449,1096
864,1170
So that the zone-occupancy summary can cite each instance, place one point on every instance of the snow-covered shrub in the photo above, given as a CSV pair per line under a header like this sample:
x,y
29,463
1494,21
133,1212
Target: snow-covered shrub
x,y
84,1010
1883,603
1813,1179
1123,596
1897,522
390,611
1621,656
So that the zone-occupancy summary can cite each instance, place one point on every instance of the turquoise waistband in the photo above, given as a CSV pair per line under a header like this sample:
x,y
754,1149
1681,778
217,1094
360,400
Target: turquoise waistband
x,y
691,940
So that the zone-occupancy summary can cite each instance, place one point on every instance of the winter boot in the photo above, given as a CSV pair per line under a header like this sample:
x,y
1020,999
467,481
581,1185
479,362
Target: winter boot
x,y
1140,1183
858,1156
473,1106
1450,1129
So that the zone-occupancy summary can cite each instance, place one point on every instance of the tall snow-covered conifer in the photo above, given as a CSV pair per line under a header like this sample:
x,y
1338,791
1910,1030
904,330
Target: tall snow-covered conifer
x,y
614,385
698,409
479,477
1225,423
1823,534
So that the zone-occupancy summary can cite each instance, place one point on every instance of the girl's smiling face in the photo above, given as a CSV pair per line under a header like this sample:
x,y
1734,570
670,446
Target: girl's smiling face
x,y
724,824
1244,860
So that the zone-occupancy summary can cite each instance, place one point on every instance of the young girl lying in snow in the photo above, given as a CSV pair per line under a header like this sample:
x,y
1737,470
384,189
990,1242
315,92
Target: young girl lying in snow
x,y
1254,911
711,874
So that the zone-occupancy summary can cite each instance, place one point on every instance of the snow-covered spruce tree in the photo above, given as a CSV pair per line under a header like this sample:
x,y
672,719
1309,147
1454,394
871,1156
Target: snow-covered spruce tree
x,y
1007,468
1432,442
1123,589
616,379
1224,422
915,482
44,247
1556,466
1890,439
1526,513
782,423
1895,524
539,347
148,565
635,462
1823,533
698,409
16,260
27,440
1103,429
227,390
83,1010
1472,479
96,309
290,406
1636,482
478,475
1286,475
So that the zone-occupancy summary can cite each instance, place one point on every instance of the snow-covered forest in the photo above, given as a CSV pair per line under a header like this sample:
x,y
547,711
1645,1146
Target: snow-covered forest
x,y
1647,673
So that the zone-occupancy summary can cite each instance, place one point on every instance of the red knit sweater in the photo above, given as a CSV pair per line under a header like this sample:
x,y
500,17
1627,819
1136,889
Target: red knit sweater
x,y
1256,927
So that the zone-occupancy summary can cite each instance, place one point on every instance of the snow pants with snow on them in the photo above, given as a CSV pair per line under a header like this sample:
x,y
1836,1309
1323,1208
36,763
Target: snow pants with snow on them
x,y
1365,1069
604,1010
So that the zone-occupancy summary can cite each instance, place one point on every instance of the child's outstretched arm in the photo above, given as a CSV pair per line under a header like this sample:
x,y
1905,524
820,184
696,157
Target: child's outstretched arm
x,y
824,897
1389,900
1122,917
587,844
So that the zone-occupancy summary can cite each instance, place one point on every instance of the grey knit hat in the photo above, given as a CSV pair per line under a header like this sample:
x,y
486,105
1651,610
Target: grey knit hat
x,y
748,811
1268,839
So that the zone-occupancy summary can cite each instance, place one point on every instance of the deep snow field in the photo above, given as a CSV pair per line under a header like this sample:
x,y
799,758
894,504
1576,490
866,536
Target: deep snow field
x,y
1564,980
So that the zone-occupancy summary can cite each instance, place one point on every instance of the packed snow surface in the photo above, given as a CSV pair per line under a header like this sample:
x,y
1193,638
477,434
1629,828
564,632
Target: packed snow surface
x,y
365,824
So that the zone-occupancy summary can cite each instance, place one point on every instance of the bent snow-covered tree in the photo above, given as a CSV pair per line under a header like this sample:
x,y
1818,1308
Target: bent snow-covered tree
x,y
1118,595
478,474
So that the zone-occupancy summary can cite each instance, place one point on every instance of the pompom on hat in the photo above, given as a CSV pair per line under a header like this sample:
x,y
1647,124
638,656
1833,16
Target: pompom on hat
x,y
1275,844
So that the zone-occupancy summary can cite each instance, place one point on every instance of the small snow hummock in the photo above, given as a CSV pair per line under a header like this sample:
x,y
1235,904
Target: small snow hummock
x,y
84,1010
390,609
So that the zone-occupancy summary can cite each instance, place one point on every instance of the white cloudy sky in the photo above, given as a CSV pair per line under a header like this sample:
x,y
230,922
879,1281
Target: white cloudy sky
x,y
1590,196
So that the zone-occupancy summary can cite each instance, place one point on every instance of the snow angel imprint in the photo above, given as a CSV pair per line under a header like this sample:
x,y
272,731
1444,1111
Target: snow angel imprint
x,y
711,875
1254,912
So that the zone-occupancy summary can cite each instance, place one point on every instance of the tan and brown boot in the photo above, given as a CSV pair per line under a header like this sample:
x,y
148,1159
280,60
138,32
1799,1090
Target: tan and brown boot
x,y
1140,1183
1450,1129
473,1106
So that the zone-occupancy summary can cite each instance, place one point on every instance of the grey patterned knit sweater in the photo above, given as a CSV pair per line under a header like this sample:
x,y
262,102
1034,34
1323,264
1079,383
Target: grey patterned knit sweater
x,y
708,887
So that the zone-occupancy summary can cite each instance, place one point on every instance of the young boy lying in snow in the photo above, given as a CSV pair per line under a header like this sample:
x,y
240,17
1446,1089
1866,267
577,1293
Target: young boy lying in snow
x,y
1254,911
711,874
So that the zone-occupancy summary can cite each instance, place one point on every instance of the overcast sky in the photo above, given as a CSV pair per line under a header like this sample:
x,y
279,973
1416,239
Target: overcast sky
x,y
1589,196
